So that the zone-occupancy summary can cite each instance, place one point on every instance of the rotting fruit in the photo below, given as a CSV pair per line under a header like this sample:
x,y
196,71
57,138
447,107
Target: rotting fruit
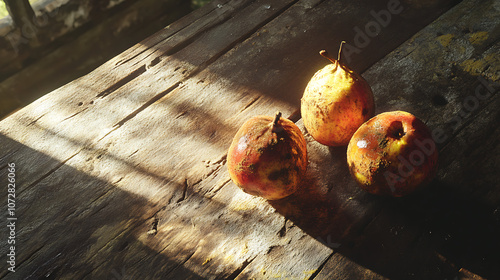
x,y
392,154
268,157
335,103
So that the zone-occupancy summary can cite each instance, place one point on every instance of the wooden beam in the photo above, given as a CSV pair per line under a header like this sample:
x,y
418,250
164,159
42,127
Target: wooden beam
x,y
20,11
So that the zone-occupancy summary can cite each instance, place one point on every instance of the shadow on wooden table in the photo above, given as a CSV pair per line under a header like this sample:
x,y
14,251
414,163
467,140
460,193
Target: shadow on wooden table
x,y
431,234
92,229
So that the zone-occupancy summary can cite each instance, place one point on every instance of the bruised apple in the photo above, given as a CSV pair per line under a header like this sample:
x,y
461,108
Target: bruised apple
x,y
392,154
335,103
268,157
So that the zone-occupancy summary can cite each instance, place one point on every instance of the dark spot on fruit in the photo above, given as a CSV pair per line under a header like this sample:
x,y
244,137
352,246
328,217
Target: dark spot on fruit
x,y
396,130
439,100
80,103
383,143
288,156
364,112
383,164
275,175
252,167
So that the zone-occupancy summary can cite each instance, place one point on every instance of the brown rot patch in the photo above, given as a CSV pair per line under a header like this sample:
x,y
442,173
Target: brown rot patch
x,y
396,130
252,167
382,165
281,174
383,143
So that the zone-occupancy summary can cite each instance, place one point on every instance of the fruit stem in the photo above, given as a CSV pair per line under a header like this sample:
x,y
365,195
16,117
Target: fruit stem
x,y
327,56
277,118
333,60
340,50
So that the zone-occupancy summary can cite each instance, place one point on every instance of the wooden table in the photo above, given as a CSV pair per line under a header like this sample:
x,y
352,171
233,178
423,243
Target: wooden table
x,y
121,173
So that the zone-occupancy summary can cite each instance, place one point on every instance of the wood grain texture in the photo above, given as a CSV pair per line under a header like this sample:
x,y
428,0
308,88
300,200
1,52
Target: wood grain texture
x,y
57,47
124,169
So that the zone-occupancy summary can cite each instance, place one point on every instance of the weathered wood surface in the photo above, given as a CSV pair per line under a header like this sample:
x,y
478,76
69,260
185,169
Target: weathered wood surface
x,y
121,173
68,39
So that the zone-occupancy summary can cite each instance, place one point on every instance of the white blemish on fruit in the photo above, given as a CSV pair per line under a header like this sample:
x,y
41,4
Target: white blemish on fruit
x,y
362,144
242,144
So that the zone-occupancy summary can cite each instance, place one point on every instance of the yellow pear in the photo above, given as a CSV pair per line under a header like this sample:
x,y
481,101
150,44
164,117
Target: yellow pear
x,y
335,103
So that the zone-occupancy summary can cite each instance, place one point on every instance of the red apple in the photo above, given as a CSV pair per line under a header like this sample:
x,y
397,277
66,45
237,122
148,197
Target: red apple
x,y
268,157
393,153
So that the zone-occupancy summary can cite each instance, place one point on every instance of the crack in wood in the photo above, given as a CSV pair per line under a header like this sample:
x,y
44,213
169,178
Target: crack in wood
x,y
213,192
181,264
222,159
410,52
322,265
118,180
48,173
35,120
133,153
271,248
183,113
29,257
154,226
101,206
184,191
147,104
282,231
71,116
213,171
240,269
250,103
153,62
136,73
316,5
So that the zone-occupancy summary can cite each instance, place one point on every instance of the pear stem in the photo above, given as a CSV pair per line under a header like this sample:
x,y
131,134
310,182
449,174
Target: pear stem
x,y
340,50
324,54
277,118
327,56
